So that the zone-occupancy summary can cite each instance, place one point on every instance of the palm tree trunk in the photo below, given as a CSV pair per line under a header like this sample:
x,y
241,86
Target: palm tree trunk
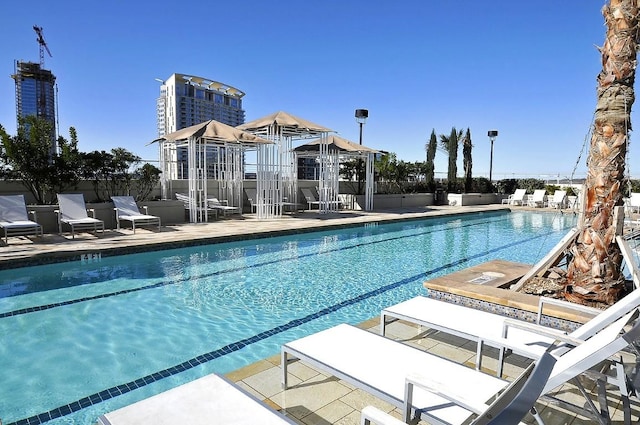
x,y
595,261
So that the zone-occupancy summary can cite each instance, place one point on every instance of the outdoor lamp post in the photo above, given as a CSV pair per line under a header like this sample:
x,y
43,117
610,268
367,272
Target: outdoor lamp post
x,y
492,136
361,118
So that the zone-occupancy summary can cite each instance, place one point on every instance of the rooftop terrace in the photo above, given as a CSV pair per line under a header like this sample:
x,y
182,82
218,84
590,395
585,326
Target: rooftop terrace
x,y
314,398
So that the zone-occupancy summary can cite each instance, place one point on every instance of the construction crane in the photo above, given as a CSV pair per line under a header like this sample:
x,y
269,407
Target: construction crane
x,y
42,43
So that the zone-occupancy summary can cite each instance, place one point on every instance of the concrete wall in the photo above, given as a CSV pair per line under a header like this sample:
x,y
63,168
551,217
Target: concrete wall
x,y
406,200
84,187
465,199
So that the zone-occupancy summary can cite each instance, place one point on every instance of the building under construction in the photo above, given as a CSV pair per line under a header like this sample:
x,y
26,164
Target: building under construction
x,y
36,89
35,92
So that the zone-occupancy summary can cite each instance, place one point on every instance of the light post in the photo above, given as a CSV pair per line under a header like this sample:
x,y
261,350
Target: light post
x,y
492,136
361,118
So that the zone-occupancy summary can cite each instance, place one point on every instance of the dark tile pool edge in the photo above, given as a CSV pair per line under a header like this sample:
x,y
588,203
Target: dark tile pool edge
x,y
503,310
76,254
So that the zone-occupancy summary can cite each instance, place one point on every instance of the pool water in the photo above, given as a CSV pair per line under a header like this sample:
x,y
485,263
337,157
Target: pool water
x,y
80,339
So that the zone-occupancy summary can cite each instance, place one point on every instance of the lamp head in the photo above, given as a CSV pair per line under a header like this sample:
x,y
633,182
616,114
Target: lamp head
x,y
362,115
492,134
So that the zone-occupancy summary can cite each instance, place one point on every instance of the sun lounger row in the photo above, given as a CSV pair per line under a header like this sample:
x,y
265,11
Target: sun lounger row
x,y
72,213
538,199
422,384
425,386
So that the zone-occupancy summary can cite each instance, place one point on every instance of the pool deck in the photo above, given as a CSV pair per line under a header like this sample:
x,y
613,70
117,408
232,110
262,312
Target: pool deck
x,y
314,398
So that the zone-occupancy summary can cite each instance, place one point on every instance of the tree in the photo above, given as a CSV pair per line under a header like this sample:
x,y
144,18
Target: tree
x,y
467,161
109,172
31,157
430,166
450,145
594,269
146,177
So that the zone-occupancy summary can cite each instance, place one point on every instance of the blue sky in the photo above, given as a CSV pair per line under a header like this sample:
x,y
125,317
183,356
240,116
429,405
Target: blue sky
x,y
525,68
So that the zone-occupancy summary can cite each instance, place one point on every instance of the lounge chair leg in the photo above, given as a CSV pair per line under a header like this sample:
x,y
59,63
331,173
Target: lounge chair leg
x,y
536,416
283,362
479,355
603,420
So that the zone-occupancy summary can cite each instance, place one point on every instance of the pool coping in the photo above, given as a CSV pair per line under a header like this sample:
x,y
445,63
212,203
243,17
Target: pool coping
x,y
495,296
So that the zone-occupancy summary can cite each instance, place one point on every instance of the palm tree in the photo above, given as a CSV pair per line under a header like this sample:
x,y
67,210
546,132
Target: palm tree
x,y
594,266
450,145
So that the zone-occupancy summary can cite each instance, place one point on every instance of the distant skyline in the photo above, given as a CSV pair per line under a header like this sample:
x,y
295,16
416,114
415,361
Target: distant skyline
x,y
526,69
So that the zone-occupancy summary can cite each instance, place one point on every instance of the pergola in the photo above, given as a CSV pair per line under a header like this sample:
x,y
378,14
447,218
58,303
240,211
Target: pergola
x,y
337,150
277,181
215,151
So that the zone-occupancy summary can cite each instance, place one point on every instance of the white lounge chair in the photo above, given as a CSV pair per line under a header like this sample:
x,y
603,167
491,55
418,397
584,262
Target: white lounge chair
x,y
223,206
14,218
198,208
252,196
517,198
379,366
73,212
537,199
558,200
208,400
126,209
310,198
488,328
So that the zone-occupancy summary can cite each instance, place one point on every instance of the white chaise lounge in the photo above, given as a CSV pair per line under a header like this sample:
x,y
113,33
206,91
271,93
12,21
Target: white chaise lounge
x,y
380,366
517,198
208,400
127,210
558,200
73,212
487,328
222,206
14,218
537,199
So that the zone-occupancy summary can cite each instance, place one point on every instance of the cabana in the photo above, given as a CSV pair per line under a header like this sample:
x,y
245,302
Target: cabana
x,y
277,174
215,151
339,149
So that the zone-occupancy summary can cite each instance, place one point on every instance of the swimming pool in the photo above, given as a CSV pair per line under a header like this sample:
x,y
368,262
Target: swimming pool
x,y
84,338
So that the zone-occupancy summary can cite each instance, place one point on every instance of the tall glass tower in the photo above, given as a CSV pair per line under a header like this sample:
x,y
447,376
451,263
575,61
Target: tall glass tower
x,y
35,93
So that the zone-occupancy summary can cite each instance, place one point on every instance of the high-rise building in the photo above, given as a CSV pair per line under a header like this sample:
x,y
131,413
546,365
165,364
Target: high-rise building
x,y
186,100
35,93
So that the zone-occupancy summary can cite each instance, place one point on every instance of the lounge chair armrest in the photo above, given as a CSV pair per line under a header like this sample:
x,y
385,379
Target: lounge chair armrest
x,y
440,389
34,214
374,415
146,209
564,304
539,330
92,211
